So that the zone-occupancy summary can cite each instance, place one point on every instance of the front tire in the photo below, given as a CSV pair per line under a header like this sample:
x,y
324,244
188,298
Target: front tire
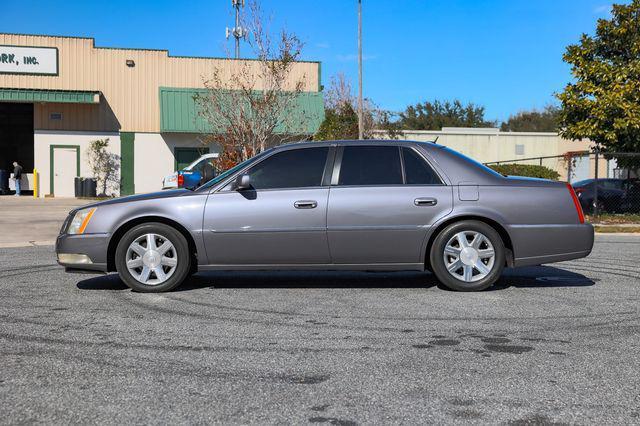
x,y
152,258
467,256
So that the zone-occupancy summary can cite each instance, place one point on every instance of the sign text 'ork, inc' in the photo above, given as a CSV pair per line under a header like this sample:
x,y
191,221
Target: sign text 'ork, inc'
x,y
28,60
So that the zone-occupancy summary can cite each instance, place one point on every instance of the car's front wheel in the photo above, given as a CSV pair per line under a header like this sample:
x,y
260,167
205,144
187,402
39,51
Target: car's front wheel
x,y
153,257
467,256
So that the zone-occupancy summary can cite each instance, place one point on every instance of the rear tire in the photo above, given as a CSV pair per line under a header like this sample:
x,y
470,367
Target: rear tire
x,y
152,258
467,256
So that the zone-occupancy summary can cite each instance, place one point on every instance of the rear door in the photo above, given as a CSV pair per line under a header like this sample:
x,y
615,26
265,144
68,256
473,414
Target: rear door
x,y
383,200
281,220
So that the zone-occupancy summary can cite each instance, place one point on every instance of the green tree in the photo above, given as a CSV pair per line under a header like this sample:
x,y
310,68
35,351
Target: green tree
x,y
603,102
341,117
438,114
339,123
533,121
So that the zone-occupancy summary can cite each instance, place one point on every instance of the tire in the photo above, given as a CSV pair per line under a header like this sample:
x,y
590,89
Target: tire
x,y
153,271
459,279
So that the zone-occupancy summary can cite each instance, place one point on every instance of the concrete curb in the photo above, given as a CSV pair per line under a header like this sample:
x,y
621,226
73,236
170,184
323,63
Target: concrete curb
x,y
27,244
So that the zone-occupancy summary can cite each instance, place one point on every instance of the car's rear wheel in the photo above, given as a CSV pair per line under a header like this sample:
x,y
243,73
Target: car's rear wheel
x,y
153,257
467,256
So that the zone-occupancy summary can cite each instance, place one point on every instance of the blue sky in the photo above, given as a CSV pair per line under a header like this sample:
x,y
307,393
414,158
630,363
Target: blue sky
x,y
503,54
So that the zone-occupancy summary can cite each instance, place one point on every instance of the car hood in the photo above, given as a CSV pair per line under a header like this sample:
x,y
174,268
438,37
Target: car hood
x,y
181,192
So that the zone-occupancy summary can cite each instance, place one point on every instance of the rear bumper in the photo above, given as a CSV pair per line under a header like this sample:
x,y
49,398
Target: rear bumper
x,y
86,252
538,244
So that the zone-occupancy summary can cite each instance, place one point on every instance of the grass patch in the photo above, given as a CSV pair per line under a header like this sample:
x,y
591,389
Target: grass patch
x,y
612,229
613,219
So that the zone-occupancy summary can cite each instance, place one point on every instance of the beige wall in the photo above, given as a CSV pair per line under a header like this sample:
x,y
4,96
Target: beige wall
x,y
154,157
43,139
131,94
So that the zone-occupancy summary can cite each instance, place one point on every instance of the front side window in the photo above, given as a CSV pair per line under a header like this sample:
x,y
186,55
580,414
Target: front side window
x,y
416,170
297,168
370,165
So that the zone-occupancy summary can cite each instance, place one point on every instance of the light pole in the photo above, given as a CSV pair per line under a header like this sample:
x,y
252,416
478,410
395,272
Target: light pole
x,y
360,104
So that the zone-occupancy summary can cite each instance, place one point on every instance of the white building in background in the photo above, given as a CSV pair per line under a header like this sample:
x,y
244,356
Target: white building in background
x,y
488,145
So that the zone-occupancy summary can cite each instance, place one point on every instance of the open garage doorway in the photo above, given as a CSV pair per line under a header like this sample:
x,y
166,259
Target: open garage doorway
x,y
16,136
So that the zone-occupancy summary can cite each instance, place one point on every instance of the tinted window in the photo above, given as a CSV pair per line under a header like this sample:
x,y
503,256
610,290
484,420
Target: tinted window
x,y
610,184
416,170
370,165
296,168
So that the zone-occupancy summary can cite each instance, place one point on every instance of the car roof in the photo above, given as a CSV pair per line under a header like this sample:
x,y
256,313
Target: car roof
x,y
360,142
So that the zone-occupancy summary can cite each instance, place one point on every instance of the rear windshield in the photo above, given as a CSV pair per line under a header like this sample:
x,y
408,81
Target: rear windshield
x,y
472,162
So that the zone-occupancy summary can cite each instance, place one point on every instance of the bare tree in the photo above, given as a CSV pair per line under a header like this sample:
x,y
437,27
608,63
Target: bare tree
x,y
254,104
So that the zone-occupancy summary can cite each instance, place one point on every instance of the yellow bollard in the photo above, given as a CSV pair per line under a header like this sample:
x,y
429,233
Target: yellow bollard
x,y
35,183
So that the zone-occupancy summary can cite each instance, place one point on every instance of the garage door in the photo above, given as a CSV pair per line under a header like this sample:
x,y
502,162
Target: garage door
x,y
64,171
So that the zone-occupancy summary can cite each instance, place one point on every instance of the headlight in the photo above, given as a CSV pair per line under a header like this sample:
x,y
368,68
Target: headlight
x,y
80,221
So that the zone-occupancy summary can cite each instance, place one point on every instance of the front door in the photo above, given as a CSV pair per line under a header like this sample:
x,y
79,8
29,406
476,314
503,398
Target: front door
x,y
65,166
385,200
280,220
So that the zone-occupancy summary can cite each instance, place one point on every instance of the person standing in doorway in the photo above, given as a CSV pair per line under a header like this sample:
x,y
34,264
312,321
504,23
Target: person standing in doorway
x,y
17,175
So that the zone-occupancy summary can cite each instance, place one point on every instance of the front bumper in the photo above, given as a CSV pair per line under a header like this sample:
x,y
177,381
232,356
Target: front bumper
x,y
84,252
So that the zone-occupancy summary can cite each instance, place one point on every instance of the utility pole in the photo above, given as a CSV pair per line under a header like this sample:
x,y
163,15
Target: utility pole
x,y
237,32
360,104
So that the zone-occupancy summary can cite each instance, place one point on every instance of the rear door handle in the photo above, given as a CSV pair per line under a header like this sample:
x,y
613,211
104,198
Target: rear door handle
x,y
425,201
305,204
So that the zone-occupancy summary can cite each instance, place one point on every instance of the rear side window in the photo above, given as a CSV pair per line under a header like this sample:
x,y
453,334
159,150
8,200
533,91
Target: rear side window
x,y
297,168
416,170
370,165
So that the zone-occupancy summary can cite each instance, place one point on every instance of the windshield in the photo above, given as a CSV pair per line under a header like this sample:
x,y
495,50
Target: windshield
x,y
222,176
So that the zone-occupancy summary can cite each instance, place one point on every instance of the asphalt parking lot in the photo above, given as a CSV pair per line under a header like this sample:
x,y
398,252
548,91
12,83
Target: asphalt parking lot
x,y
551,344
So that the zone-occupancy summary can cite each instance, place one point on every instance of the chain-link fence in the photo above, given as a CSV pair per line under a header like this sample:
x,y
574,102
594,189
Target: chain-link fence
x,y
607,184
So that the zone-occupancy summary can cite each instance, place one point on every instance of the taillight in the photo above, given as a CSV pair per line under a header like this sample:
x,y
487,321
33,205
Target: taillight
x,y
180,180
576,203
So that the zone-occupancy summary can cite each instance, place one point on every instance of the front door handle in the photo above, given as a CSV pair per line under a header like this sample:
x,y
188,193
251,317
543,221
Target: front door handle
x,y
425,202
305,204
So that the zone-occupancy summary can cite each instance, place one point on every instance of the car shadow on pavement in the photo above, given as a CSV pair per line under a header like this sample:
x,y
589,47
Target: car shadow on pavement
x,y
530,277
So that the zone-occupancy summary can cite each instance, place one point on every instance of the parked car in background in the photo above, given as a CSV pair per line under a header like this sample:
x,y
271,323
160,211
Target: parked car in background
x,y
631,199
201,170
611,193
344,205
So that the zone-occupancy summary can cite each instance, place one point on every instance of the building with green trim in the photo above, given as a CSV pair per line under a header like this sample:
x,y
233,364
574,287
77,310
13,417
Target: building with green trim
x,y
57,94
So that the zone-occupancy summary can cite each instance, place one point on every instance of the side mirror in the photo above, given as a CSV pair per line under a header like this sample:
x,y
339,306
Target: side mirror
x,y
243,182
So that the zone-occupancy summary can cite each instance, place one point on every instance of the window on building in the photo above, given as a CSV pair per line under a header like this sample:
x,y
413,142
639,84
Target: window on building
x,y
298,168
417,171
370,165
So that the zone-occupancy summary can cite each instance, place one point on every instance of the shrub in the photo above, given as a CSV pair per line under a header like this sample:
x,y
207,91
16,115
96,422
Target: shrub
x,y
528,170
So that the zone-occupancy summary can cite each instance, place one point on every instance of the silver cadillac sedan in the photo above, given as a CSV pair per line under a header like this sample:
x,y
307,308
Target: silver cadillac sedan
x,y
344,205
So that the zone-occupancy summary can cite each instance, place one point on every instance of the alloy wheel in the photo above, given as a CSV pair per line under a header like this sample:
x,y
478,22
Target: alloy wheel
x,y
151,259
469,256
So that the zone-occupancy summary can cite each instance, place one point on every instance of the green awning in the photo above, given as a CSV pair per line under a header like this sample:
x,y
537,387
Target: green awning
x,y
179,112
57,96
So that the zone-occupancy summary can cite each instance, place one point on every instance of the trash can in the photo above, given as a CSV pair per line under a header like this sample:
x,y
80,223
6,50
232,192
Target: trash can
x,y
4,182
89,186
77,186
